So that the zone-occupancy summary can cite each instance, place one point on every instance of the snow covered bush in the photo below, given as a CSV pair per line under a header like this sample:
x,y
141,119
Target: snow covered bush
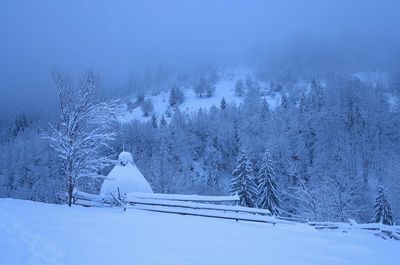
x,y
119,199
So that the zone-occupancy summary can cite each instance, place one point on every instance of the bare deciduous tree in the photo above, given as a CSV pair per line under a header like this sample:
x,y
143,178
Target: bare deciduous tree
x,y
84,129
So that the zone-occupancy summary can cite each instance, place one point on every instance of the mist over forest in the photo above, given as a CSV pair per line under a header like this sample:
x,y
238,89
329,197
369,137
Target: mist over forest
x,y
202,88
132,37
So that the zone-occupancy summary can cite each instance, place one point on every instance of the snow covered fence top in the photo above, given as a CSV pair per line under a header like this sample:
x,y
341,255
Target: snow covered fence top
x,y
157,196
180,197
199,206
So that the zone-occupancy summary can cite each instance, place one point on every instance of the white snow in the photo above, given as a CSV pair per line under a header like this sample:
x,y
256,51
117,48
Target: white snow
x,y
125,176
125,158
392,100
37,233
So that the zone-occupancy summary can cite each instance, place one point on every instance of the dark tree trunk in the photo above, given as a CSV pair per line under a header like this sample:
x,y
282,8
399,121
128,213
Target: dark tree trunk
x,y
70,194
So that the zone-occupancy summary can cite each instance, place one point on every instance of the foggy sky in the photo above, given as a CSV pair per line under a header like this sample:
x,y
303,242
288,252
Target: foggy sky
x,y
118,37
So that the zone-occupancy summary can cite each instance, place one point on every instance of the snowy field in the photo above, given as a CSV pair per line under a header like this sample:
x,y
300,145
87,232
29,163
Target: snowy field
x,y
38,234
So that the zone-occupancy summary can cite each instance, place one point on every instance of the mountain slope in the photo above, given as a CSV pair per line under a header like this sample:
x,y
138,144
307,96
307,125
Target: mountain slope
x,y
225,88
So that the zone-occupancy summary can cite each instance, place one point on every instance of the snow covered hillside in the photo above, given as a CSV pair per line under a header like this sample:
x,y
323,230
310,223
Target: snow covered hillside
x,y
36,233
225,88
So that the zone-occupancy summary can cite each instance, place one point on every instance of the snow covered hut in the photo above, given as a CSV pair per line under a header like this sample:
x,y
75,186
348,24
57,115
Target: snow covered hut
x,y
125,176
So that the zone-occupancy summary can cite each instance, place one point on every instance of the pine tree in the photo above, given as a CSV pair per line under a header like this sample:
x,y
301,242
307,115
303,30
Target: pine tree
x,y
172,97
264,109
163,122
249,83
243,182
200,87
211,84
147,107
316,95
19,124
383,210
268,194
176,96
284,102
223,104
180,95
154,121
209,89
239,88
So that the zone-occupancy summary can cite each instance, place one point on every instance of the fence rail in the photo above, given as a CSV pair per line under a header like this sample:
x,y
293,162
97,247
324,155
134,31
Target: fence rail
x,y
198,206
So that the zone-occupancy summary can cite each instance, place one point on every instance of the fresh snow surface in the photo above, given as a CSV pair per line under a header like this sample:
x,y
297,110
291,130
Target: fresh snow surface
x,y
39,234
125,176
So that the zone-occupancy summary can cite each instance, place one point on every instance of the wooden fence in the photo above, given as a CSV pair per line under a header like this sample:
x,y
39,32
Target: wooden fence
x,y
223,207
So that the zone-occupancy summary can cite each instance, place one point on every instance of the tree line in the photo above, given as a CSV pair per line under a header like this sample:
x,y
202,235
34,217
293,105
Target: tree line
x,y
321,153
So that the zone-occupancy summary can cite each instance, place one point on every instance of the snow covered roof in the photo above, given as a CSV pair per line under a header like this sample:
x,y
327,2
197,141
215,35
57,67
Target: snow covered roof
x,y
125,176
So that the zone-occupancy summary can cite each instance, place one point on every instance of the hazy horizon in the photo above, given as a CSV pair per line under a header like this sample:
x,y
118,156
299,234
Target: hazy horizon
x,y
122,37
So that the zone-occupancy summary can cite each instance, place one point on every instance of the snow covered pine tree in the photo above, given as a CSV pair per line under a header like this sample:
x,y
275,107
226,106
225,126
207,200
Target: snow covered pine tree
x,y
383,210
176,96
268,194
243,182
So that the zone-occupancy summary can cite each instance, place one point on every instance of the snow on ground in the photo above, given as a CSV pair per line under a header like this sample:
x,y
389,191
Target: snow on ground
x,y
225,88
36,233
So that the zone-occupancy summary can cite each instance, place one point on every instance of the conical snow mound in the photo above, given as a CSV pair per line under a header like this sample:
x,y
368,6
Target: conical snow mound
x,y
125,176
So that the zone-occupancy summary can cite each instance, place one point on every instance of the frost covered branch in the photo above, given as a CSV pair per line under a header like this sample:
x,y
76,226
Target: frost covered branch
x,y
84,129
